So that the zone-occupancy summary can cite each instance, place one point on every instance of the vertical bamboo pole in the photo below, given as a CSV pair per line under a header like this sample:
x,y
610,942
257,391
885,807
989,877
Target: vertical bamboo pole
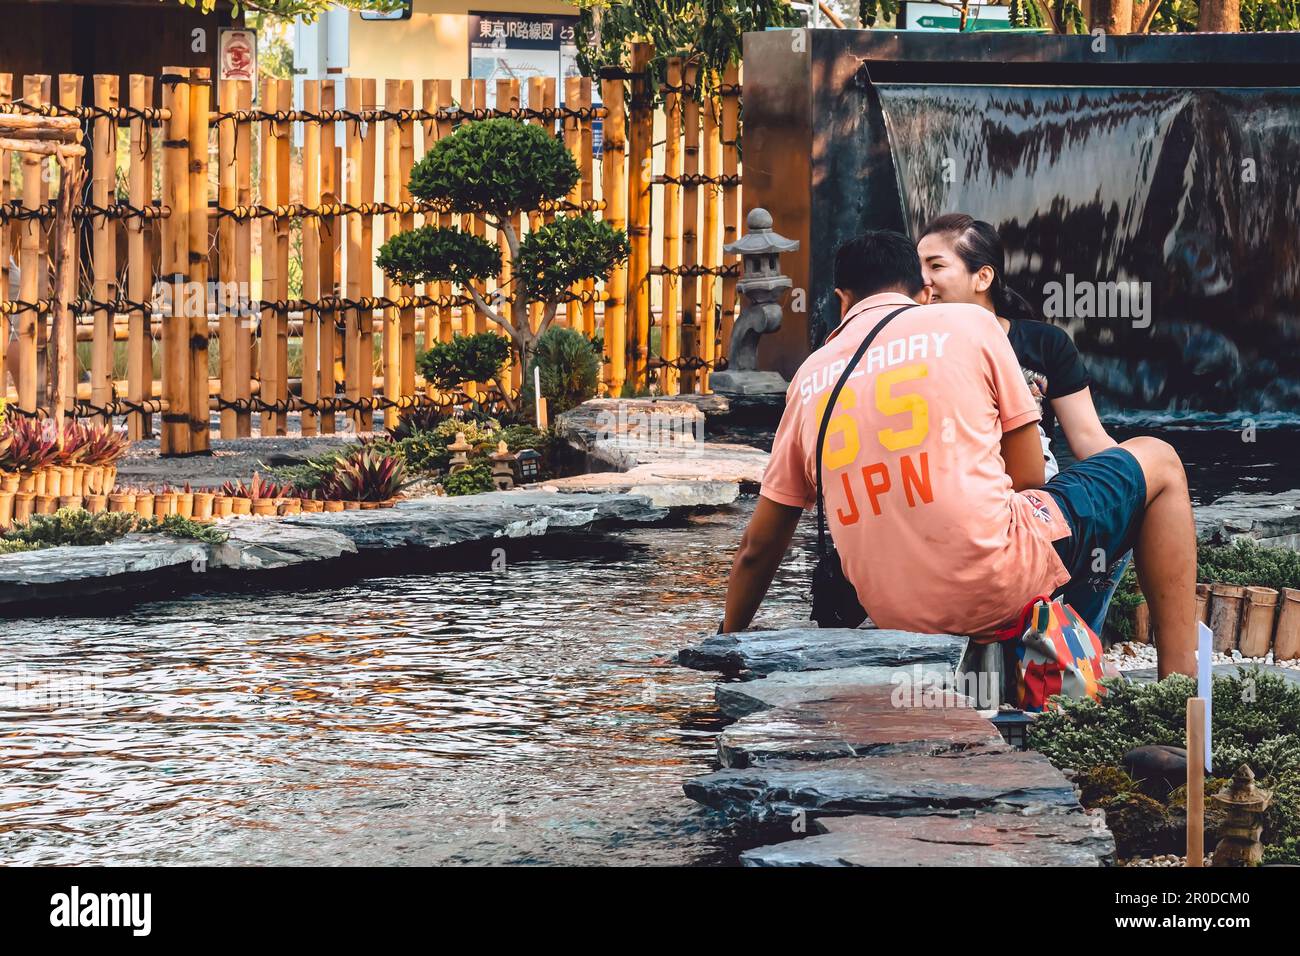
x,y
139,342
573,143
283,143
329,244
266,349
369,102
70,98
355,265
730,142
669,343
244,339
508,99
711,252
103,192
690,344
1195,782
43,239
406,222
536,101
197,268
227,198
176,250
392,335
6,240
640,177
614,188
311,292
585,162
445,290
429,103
29,289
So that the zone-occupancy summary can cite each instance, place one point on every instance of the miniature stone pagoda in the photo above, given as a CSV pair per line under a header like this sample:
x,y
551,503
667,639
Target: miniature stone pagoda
x,y
763,286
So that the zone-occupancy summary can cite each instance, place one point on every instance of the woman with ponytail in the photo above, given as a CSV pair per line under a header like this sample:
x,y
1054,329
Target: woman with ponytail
x,y
962,261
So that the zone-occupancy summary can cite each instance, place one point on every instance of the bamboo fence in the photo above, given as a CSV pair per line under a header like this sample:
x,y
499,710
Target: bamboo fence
x,y
189,210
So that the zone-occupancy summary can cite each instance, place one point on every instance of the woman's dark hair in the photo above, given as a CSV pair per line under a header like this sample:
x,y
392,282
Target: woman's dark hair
x,y
977,244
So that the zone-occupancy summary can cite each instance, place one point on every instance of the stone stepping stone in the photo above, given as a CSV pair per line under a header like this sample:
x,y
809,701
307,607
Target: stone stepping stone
x,y
752,653
894,785
981,839
1147,675
788,688
864,721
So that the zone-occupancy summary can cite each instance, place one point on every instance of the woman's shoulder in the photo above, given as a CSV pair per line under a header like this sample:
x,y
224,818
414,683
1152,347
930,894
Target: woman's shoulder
x,y
1048,337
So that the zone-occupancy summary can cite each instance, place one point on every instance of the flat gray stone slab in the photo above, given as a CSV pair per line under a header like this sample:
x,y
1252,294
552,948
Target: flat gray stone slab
x,y
1147,675
788,688
132,554
266,543
1270,518
814,648
275,543
981,839
895,786
860,722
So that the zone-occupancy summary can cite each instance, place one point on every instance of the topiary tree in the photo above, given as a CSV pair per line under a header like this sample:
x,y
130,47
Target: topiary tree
x,y
466,358
496,170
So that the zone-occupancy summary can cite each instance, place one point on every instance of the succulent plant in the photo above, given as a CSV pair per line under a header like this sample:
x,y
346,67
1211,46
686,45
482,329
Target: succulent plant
x,y
32,444
365,475
104,444
71,443
257,487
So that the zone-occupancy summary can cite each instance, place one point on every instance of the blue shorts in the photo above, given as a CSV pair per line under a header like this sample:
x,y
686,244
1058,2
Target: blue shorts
x,y
1103,499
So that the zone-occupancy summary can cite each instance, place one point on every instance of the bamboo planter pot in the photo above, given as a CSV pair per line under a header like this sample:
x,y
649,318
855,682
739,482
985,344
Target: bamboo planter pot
x,y
121,501
1286,642
144,504
185,504
241,506
46,504
164,504
24,506
6,508
70,501
222,506
96,504
333,507
1225,615
312,505
201,505
264,507
9,480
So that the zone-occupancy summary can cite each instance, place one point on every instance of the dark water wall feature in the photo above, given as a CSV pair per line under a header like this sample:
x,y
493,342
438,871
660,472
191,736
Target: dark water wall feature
x,y
1119,166
1185,200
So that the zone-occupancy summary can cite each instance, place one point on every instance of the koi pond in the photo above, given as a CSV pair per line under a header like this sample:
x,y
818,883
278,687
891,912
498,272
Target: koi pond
x,y
434,710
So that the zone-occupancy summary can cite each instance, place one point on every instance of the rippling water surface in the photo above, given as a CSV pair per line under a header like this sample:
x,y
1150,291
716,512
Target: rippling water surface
x,y
527,715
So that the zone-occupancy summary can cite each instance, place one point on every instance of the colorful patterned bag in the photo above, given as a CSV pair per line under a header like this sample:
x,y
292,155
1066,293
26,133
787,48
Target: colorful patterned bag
x,y
1057,653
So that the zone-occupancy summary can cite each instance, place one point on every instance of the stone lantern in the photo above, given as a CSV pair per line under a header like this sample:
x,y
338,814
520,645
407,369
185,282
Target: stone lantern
x,y
460,450
1244,804
763,285
503,468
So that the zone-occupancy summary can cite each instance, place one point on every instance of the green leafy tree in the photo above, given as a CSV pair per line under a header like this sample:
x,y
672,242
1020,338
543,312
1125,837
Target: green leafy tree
x,y
705,32
496,170
291,9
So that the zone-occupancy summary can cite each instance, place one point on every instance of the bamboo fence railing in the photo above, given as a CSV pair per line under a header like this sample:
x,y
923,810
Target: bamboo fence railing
x,y
189,211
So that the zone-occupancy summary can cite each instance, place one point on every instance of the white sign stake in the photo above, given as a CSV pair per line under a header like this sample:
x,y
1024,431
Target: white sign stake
x,y
1204,656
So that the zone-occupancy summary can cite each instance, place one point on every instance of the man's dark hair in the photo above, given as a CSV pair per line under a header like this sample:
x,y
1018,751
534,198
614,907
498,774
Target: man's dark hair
x,y
878,261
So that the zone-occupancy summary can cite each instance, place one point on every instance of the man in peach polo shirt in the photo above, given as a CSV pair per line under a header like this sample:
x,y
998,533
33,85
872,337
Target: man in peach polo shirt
x,y
932,475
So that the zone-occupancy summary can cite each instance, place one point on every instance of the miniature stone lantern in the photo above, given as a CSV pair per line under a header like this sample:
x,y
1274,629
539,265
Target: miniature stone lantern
x,y
460,450
763,286
530,465
1244,804
503,472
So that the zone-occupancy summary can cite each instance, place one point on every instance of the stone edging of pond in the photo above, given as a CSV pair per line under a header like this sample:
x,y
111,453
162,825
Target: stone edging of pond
x,y
257,544
823,743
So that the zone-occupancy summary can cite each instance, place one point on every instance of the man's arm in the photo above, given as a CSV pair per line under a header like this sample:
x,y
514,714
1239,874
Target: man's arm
x,y
1022,453
761,549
